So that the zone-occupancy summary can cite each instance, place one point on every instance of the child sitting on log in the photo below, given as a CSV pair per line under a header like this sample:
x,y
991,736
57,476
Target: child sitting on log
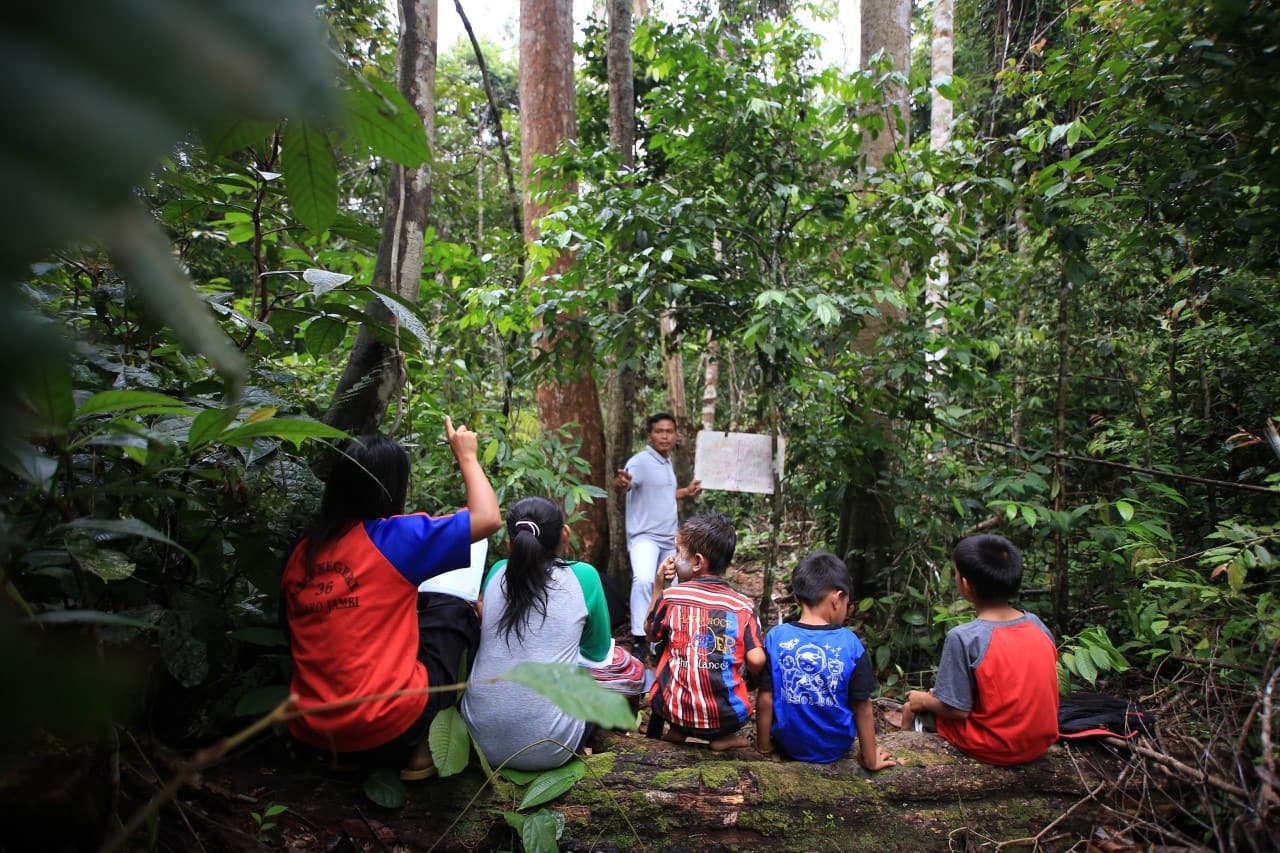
x,y
708,635
815,693
996,695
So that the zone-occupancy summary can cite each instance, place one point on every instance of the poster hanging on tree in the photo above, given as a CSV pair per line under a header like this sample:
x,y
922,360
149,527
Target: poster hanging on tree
x,y
737,461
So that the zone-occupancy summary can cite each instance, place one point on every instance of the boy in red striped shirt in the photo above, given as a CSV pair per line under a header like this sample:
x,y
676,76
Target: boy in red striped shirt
x,y
709,639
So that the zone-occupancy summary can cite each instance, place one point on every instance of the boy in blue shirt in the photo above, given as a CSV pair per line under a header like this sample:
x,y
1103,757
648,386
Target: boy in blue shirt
x,y
815,693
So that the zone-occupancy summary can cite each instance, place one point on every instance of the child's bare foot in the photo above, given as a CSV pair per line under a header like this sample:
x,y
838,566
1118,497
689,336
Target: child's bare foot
x,y
731,742
673,736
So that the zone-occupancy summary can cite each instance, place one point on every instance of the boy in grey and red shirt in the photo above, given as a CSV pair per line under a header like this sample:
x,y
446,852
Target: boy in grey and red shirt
x,y
996,696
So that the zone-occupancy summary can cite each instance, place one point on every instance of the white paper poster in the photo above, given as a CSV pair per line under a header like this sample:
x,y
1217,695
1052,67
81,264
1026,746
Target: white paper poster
x,y
736,461
465,582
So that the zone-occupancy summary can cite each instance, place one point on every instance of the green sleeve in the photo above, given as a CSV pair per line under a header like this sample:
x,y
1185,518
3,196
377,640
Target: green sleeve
x,y
488,576
597,637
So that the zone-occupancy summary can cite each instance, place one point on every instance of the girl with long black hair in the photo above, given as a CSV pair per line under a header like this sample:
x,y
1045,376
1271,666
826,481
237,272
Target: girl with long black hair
x,y
540,608
358,627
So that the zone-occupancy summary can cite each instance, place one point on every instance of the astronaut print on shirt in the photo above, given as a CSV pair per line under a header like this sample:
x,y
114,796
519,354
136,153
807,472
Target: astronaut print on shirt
x,y
810,673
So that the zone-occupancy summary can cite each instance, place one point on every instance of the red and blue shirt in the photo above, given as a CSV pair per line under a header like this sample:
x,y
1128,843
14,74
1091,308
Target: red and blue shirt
x,y
353,625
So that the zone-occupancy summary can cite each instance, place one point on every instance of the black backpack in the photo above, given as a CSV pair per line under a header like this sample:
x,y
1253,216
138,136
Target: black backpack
x,y
1084,715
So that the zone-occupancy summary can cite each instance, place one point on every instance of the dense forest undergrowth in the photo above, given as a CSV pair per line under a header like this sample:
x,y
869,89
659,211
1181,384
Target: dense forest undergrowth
x,y
1059,322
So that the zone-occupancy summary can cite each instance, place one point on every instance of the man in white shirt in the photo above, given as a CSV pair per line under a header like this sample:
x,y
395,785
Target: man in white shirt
x,y
650,485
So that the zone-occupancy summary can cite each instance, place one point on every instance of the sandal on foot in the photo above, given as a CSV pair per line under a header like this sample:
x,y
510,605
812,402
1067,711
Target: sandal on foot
x,y
417,775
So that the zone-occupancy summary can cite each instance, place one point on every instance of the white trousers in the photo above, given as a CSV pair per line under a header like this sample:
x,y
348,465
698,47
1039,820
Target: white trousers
x,y
646,555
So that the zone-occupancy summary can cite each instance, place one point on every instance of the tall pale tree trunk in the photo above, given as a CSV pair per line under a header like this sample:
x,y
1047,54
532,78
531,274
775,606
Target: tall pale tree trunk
x,y
886,26
548,118
622,379
940,116
866,531
374,373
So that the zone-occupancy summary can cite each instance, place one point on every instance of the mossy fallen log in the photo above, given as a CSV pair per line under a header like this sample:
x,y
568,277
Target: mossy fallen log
x,y
643,794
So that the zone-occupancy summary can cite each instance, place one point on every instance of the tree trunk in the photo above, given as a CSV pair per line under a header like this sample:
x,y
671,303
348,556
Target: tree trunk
x,y
886,26
940,115
641,794
373,375
547,119
678,404
866,530
710,381
622,380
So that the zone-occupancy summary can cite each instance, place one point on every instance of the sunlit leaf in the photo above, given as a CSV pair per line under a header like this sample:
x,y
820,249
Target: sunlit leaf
x,y
106,563
574,692
323,281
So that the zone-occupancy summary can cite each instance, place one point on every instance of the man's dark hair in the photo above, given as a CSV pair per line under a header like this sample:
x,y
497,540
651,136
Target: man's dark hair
x,y
653,419
991,564
818,574
711,535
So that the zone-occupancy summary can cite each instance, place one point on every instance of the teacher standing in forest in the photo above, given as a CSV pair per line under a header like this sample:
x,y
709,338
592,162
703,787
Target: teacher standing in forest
x,y
649,482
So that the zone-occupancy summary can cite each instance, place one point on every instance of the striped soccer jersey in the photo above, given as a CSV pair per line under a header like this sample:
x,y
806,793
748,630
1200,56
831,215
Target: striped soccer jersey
x,y
705,628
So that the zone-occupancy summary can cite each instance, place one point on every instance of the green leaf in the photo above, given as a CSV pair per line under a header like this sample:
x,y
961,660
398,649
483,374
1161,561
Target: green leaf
x,y
311,178
574,692
208,425
450,742
553,783
124,401
1237,572
1125,510
1086,668
261,700
124,527
1100,657
405,313
381,118
138,77
519,777
49,390
293,430
914,617
541,831
324,334
230,134
29,463
90,617
105,563
383,786
515,820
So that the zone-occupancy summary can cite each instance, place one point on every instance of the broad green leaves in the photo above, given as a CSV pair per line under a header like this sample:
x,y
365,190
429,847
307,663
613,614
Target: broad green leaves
x,y
310,174
575,692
